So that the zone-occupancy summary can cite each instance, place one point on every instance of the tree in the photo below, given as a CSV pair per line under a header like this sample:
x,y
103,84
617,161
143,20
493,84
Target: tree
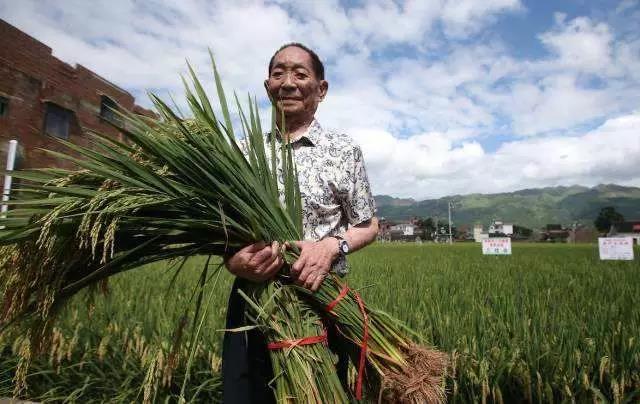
x,y
442,232
428,227
607,216
521,232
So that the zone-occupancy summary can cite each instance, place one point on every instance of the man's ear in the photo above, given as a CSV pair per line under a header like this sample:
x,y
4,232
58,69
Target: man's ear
x,y
324,87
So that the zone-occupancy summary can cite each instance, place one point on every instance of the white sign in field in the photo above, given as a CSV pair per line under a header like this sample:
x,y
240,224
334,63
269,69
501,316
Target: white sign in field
x,y
496,246
616,248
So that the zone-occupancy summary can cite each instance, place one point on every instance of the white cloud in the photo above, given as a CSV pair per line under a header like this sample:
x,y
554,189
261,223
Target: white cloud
x,y
430,165
405,166
388,22
588,76
627,59
551,103
580,44
609,153
465,17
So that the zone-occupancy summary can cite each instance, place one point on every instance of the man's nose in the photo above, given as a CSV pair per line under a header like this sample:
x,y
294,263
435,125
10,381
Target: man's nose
x,y
288,80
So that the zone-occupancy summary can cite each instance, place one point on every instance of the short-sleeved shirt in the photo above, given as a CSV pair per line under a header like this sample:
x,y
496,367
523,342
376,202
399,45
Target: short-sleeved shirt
x,y
333,182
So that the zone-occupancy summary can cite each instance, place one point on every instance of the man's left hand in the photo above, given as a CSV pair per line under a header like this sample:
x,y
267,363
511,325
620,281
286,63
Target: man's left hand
x,y
314,263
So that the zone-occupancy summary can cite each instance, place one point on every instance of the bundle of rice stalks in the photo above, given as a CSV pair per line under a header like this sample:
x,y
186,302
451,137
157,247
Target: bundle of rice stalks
x,y
303,367
398,368
182,187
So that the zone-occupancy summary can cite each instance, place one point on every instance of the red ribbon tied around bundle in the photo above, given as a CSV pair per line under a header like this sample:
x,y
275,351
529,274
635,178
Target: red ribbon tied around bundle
x,y
292,343
365,338
316,339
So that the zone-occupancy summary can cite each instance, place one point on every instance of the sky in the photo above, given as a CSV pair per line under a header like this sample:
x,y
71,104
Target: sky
x,y
444,96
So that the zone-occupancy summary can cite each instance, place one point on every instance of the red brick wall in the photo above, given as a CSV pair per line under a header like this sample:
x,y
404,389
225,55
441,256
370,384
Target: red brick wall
x,y
30,77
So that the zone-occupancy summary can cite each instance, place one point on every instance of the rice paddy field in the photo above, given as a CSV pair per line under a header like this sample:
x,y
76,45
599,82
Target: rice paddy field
x,y
551,323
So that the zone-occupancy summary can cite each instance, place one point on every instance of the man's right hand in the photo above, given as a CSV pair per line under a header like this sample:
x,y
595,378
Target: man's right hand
x,y
256,262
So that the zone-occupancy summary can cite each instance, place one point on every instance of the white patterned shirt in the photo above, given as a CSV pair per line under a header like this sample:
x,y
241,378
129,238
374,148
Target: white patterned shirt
x,y
333,184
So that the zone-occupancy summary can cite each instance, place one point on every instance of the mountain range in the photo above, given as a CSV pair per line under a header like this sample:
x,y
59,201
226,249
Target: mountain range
x,y
533,208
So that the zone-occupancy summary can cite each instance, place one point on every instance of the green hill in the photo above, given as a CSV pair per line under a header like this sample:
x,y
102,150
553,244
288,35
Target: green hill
x,y
528,207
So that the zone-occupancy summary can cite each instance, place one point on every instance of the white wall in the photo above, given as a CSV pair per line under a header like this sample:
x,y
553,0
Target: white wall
x,y
507,229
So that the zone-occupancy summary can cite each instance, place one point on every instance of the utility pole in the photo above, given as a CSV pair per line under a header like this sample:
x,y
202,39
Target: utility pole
x,y
11,160
450,234
6,189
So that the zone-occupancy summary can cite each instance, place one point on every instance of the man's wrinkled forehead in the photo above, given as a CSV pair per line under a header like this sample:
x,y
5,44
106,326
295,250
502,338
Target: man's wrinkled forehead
x,y
292,58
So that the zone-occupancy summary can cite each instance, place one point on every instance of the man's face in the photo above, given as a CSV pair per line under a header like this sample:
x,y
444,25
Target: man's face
x,y
293,84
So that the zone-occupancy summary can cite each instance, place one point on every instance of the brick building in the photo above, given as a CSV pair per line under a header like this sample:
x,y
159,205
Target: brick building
x,y
42,97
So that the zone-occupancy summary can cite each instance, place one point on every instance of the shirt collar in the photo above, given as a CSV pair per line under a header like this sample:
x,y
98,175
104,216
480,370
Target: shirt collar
x,y
313,133
310,137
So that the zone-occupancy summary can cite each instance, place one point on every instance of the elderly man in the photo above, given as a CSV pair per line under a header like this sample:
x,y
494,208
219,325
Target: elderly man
x,y
338,214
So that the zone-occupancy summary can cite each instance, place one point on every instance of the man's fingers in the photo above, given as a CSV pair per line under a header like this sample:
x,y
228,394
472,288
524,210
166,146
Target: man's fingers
x,y
262,257
299,265
308,282
307,271
275,249
314,280
272,269
318,281
253,248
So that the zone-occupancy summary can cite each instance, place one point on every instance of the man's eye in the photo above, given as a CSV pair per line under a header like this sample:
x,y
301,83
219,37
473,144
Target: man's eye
x,y
301,76
276,74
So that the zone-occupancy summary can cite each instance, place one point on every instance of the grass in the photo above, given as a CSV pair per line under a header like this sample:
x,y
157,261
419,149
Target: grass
x,y
549,323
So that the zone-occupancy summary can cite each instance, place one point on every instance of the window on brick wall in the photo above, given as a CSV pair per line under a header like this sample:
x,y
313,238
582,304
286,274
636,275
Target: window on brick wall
x,y
107,110
4,106
57,121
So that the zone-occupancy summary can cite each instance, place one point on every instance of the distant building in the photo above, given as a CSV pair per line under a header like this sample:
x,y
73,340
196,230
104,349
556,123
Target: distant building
x,y
582,234
463,233
626,229
407,229
42,98
555,233
497,228
479,234
501,228
402,231
383,229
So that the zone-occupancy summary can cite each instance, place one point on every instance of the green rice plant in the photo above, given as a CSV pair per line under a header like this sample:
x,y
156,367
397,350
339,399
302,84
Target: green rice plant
x,y
549,320
105,353
551,323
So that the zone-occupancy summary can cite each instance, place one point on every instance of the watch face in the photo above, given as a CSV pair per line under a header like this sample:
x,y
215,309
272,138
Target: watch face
x,y
344,246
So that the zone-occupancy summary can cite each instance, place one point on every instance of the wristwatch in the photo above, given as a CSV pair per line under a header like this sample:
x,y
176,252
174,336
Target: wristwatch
x,y
343,246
